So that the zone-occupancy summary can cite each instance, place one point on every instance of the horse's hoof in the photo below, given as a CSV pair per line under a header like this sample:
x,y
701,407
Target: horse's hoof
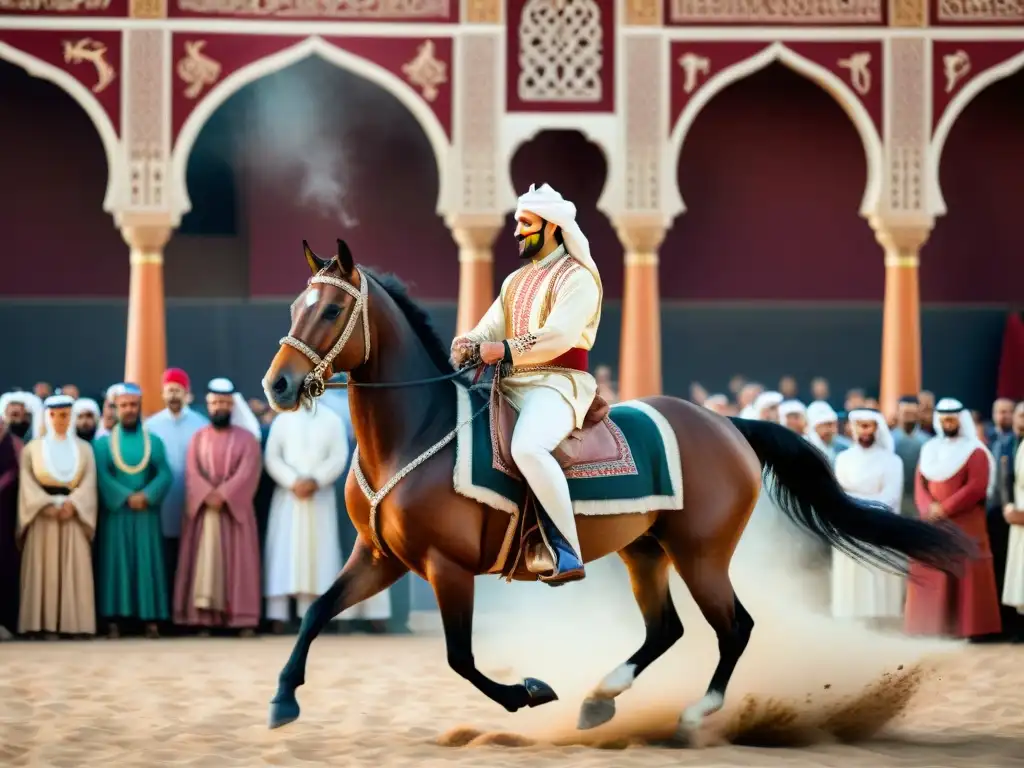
x,y
283,710
595,712
539,692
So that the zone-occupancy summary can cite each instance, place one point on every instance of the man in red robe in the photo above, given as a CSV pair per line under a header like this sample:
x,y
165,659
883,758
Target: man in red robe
x,y
953,476
218,578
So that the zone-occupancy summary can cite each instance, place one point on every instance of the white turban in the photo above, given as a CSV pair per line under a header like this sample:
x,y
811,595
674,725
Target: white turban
x,y
551,206
789,407
32,404
713,401
766,400
965,443
241,414
820,412
883,437
83,405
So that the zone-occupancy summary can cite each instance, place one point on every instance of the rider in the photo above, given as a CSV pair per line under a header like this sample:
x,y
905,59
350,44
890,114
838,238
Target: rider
x,y
543,325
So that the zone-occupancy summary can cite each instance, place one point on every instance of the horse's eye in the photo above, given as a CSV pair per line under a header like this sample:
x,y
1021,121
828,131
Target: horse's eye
x,y
332,312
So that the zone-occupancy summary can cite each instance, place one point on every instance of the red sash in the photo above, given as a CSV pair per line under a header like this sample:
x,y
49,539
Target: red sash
x,y
577,359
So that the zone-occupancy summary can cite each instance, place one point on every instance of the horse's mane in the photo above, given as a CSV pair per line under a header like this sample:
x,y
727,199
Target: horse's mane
x,y
417,317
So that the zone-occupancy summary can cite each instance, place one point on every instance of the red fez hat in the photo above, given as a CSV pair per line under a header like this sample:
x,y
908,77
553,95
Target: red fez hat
x,y
177,376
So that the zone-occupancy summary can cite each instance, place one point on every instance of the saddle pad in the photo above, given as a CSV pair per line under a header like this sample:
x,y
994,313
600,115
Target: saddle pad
x,y
652,480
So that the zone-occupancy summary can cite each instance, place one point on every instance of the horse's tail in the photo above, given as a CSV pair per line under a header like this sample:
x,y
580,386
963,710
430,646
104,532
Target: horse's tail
x,y
807,492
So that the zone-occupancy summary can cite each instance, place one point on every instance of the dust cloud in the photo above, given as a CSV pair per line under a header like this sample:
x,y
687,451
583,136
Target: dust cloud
x,y
805,677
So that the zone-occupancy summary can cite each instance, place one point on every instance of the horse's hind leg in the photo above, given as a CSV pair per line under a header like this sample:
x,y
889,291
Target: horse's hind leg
x,y
362,577
453,587
707,576
648,572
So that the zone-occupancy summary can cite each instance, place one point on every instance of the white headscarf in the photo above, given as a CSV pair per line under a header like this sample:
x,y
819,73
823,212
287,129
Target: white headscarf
x,y
942,457
241,414
60,454
84,405
766,400
32,403
883,436
789,407
820,412
712,401
551,206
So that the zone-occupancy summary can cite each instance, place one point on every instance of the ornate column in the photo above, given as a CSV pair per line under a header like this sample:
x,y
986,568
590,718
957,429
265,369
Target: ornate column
x,y
901,314
640,344
146,348
475,236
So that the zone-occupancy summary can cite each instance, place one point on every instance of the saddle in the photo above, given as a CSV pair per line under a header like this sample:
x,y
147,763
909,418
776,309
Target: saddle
x,y
592,443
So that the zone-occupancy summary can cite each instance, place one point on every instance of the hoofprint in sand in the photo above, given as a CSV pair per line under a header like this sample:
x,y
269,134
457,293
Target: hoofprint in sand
x,y
393,702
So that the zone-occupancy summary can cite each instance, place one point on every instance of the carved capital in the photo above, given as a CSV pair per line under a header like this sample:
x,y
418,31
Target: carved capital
x,y
902,239
475,235
146,234
641,236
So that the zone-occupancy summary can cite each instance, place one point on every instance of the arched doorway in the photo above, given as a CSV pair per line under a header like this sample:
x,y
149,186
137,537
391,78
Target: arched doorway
x,y
58,243
578,169
972,266
773,173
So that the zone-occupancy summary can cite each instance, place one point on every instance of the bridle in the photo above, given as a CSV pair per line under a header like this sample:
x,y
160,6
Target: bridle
x,y
314,383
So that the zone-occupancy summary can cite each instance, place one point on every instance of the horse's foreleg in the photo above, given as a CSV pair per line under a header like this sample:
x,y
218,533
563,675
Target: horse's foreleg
x,y
362,577
648,572
453,587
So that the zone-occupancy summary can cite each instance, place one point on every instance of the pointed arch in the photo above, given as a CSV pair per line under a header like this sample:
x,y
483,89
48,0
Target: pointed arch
x,y
97,114
873,151
954,109
311,46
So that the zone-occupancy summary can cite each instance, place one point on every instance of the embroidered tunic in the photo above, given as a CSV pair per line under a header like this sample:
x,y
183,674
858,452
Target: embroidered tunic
x,y
546,309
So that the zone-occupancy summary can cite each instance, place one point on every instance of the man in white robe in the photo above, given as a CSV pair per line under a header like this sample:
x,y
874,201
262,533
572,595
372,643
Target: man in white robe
x,y
306,451
869,470
823,430
543,324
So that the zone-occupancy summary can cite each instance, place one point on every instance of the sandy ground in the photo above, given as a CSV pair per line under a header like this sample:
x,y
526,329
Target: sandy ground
x,y
393,702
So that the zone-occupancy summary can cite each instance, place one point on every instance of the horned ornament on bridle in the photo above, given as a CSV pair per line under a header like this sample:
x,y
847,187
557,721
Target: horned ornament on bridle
x,y
315,384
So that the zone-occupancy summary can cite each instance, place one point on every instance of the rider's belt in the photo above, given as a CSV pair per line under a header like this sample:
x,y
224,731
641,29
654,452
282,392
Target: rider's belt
x,y
577,359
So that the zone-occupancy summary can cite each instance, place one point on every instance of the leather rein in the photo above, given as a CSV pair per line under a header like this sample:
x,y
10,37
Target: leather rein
x,y
314,384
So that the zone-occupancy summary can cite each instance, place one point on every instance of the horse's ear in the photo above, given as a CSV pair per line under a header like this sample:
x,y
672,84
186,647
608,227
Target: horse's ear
x,y
345,260
315,262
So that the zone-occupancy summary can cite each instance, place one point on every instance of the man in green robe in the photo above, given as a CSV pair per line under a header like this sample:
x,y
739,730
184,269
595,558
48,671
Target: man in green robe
x,y
133,477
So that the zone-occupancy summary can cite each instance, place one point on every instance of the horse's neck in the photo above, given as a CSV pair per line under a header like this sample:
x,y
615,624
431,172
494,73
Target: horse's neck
x,y
392,423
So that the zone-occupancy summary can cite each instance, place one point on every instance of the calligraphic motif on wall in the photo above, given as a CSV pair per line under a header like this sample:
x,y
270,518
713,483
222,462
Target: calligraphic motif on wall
x,y
955,64
65,7
977,12
858,65
781,13
93,59
560,55
203,63
340,10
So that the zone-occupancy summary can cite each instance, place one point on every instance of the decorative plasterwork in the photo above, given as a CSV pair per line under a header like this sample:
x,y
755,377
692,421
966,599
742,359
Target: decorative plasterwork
x,y
906,135
477,161
147,131
776,12
998,12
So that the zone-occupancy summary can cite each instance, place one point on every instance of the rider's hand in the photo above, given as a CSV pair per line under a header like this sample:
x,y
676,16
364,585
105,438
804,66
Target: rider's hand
x,y
463,350
492,352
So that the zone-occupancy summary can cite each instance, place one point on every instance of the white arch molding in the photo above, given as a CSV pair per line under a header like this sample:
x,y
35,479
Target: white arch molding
x,y
311,46
840,91
953,111
87,101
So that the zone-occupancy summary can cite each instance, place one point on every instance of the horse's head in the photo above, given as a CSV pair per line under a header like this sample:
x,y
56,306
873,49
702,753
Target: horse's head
x,y
323,338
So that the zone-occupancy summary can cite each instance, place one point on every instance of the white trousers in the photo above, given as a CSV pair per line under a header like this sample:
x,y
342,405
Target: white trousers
x,y
545,420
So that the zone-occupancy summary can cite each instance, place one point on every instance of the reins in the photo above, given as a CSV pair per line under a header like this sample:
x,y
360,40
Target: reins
x,y
398,384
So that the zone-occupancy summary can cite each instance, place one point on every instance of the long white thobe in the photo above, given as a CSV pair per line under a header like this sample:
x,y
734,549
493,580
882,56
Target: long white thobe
x,y
303,551
546,308
861,591
1013,586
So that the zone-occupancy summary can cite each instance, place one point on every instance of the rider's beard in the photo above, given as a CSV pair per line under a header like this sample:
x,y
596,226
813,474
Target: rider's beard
x,y
530,245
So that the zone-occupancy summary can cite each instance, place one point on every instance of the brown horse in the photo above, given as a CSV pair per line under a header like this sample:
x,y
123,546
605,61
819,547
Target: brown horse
x,y
349,319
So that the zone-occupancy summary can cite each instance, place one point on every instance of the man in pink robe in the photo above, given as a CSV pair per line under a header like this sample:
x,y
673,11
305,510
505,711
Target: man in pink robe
x,y
953,476
218,577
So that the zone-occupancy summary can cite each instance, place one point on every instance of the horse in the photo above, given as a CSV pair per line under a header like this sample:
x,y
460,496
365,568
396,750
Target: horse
x,y
400,495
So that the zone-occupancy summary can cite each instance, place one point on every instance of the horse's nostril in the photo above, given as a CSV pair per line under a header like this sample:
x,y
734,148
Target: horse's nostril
x,y
281,385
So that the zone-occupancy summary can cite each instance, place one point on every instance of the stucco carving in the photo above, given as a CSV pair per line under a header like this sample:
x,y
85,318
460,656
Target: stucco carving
x,y
94,52
694,68
147,138
478,122
955,67
908,132
560,51
776,11
55,6
643,13
332,9
859,66
196,69
483,11
957,11
426,71
147,9
908,13
645,139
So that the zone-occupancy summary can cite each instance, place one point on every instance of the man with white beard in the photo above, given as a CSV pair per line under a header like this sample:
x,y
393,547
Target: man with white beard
x,y
868,470
306,452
